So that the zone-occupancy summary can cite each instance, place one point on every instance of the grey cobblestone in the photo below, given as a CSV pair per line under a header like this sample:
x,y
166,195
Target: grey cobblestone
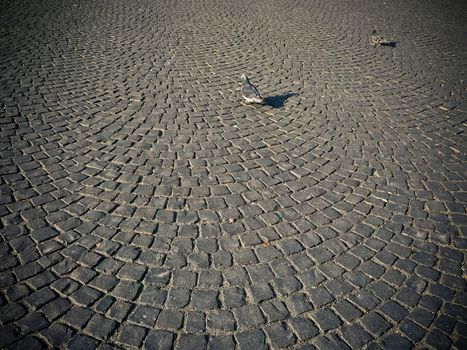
x,y
131,335
221,343
80,341
144,205
57,334
195,321
251,340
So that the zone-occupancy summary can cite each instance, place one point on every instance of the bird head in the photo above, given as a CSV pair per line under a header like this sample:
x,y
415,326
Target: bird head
x,y
244,77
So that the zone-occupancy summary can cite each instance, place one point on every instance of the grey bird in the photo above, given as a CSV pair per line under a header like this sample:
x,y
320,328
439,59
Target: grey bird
x,y
377,40
249,92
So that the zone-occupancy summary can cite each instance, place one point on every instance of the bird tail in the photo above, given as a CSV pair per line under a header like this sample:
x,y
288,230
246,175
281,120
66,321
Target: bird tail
x,y
258,99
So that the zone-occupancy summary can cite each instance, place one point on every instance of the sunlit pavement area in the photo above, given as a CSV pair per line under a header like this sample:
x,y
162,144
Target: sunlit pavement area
x,y
144,205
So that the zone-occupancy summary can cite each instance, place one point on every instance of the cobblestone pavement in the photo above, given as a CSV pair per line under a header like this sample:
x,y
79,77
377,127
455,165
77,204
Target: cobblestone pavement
x,y
143,205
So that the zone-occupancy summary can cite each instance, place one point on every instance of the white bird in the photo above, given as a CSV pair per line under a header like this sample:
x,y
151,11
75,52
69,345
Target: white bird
x,y
249,92
377,40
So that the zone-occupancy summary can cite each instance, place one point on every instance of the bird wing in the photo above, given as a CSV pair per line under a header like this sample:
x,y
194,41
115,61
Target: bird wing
x,y
250,90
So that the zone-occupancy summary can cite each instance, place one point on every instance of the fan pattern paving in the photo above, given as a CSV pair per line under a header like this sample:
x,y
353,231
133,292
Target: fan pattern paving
x,y
144,205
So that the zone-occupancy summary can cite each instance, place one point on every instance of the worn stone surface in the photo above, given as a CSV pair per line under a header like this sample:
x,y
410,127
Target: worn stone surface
x,y
143,205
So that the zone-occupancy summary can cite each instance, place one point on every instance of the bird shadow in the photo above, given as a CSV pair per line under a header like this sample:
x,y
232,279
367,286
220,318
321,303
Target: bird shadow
x,y
278,101
390,44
